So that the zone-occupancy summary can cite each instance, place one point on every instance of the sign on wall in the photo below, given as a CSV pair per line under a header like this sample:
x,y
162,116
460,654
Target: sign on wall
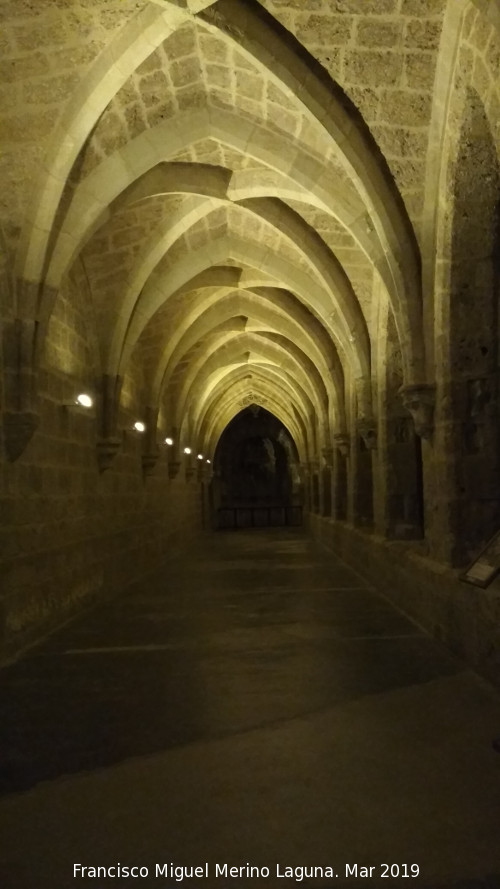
x,y
485,567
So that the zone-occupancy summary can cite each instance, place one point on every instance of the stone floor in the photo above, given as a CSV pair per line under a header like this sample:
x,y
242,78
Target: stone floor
x,y
258,704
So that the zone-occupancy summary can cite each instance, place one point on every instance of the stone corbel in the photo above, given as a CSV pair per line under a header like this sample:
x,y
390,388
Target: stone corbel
x,y
149,461
107,449
109,441
367,429
151,451
328,457
420,400
342,442
173,468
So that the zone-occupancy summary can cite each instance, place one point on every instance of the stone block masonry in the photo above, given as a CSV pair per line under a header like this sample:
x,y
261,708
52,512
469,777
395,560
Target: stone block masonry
x,y
70,536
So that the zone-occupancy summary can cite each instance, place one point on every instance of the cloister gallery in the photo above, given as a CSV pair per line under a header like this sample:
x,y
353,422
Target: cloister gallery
x,y
217,214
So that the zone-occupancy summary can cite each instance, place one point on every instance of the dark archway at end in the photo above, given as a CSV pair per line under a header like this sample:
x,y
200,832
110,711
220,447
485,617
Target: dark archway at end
x,y
256,473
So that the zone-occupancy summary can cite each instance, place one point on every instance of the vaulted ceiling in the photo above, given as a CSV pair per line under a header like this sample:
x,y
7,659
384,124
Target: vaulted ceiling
x,y
235,186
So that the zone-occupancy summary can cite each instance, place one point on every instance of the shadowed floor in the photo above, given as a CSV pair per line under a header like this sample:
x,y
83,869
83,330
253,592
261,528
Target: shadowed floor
x,y
257,704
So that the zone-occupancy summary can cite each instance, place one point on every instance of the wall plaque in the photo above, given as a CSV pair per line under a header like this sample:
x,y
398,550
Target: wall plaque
x,y
485,567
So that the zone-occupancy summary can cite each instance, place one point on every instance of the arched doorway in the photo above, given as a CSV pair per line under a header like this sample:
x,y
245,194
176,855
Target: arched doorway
x,y
256,473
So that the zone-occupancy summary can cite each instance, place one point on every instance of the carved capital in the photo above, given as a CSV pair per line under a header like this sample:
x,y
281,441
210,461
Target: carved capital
x,y
148,462
342,442
18,430
190,472
328,457
107,449
173,468
420,400
367,429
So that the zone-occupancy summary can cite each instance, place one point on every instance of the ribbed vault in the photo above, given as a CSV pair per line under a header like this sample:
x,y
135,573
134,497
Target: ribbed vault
x,y
236,221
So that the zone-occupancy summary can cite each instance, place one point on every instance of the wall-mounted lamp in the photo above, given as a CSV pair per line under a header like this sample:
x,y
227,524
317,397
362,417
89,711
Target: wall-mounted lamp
x,y
188,451
139,426
209,461
82,402
200,456
169,442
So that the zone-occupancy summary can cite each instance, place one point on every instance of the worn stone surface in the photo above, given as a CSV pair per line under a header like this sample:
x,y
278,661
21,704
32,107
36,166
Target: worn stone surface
x,y
463,617
272,690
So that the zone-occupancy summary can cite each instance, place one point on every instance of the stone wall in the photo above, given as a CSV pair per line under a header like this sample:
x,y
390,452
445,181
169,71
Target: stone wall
x,y
69,535
198,210
464,617
462,466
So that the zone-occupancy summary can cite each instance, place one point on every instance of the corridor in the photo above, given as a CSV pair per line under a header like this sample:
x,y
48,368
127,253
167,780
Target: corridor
x,y
256,704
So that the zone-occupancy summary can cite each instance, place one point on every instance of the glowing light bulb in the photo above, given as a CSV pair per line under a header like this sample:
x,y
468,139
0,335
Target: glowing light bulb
x,y
139,427
84,400
169,442
187,451
200,456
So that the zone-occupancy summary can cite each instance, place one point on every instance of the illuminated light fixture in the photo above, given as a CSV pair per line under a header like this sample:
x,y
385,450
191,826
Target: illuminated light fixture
x,y
82,404
84,400
139,427
200,456
169,442
188,451
208,461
